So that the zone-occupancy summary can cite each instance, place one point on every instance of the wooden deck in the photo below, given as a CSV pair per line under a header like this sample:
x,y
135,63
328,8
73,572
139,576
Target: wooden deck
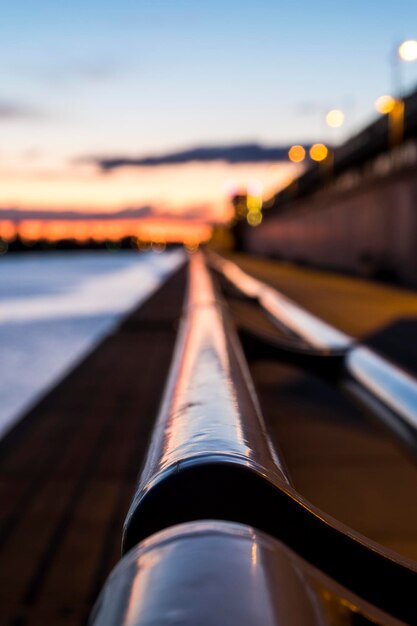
x,y
68,469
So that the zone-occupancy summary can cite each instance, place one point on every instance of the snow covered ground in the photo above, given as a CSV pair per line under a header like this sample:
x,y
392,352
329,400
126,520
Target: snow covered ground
x,y
55,307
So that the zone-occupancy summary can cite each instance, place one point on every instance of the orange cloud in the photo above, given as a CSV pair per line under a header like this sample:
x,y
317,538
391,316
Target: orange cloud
x,y
173,189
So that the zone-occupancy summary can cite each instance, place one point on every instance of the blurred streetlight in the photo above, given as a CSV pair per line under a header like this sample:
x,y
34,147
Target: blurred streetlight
x,y
394,105
254,218
327,118
318,152
385,104
394,108
254,202
296,154
335,118
407,51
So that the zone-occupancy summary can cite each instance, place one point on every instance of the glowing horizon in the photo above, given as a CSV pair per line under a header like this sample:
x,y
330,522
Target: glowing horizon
x,y
199,190
145,229
152,78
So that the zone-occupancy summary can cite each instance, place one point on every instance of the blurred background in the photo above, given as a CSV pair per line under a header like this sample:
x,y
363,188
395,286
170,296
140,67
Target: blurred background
x,y
136,123
279,129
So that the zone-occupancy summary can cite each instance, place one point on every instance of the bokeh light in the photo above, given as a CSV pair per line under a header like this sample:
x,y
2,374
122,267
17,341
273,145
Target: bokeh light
x,y
335,118
254,218
254,203
385,104
408,50
318,152
296,154
254,200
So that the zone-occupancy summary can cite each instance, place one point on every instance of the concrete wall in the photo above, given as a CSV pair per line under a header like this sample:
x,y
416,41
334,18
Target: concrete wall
x,y
371,230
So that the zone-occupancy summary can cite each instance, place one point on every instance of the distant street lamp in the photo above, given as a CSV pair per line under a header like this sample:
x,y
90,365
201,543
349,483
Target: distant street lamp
x,y
318,152
405,51
335,118
394,105
330,118
394,108
385,104
296,154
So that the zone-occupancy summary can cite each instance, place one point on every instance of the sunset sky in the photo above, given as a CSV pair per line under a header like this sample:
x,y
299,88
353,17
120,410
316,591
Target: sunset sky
x,y
82,81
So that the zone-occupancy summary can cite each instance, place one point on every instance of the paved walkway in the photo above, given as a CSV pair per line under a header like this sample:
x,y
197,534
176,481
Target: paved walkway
x,y
339,459
68,470
356,306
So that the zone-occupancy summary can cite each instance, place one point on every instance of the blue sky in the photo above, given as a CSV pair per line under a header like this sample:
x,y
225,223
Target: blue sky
x,y
146,76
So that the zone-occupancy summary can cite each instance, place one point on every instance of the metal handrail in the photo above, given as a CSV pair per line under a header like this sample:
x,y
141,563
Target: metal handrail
x,y
210,573
210,414
386,390
210,458
382,387
283,311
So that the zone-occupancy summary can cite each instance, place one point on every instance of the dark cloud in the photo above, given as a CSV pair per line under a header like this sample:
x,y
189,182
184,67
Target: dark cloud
x,y
39,214
240,153
17,215
10,110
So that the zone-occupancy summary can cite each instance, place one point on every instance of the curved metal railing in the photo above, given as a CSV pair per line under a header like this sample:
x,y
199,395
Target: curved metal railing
x,y
210,573
288,315
210,458
212,469
382,387
209,422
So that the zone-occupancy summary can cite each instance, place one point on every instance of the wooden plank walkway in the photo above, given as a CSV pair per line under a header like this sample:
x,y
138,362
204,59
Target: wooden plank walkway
x,y
68,470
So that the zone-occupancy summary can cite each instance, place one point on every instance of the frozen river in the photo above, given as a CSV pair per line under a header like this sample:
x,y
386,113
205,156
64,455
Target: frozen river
x,y
54,308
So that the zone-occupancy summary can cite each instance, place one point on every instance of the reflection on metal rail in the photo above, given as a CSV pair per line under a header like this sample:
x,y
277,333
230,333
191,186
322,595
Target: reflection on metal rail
x,y
283,311
209,423
211,459
379,385
211,573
